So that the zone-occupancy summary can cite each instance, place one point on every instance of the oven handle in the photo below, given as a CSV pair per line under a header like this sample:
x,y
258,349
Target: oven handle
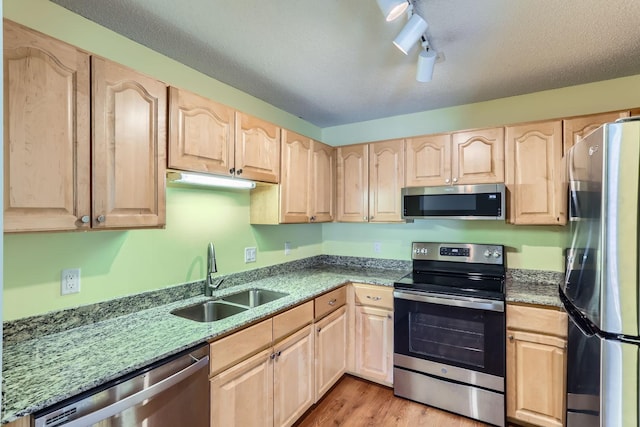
x,y
456,301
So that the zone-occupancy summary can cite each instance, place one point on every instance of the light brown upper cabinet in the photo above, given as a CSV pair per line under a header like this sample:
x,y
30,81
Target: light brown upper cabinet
x,y
370,179
201,134
54,179
576,128
257,149
470,157
306,192
535,174
46,133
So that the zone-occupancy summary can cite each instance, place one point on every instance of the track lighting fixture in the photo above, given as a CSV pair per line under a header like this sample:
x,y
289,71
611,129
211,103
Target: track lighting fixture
x,y
426,63
392,9
411,33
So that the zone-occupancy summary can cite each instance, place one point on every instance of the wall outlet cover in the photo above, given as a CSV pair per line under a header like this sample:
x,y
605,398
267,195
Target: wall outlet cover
x,y
377,247
250,254
70,281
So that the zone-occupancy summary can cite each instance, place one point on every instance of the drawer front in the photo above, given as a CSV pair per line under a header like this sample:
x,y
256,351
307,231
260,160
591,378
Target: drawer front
x,y
373,296
543,320
291,320
240,345
328,302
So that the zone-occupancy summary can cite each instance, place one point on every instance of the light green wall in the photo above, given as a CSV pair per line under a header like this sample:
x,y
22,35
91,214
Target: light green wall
x,y
537,248
116,263
609,95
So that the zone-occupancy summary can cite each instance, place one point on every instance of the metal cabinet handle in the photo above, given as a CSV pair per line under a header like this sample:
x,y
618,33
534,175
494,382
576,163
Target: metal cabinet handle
x,y
332,302
510,337
447,180
232,171
371,217
239,172
455,179
365,218
273,356
374,298
136,398
278,353
313,218
318,330
100,218
85,219
388,316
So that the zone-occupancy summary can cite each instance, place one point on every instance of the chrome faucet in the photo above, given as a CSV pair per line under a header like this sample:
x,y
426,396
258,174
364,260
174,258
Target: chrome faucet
x,y
212,268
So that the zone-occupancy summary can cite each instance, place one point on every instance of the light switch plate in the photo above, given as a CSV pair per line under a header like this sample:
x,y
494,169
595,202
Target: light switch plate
x,y
250,254
287,248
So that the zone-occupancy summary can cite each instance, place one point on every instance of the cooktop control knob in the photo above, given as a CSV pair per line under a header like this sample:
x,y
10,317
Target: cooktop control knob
x,y
496,254
487,253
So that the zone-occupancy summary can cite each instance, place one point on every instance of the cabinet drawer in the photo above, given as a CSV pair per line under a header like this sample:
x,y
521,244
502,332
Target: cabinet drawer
x,y
330,301
543,320
240,345
292,320
373,296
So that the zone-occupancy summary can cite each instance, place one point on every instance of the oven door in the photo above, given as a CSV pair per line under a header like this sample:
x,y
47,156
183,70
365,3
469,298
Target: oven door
x,y
458,337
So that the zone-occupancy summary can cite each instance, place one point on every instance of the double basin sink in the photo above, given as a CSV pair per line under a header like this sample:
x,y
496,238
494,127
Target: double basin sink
x,y
223,307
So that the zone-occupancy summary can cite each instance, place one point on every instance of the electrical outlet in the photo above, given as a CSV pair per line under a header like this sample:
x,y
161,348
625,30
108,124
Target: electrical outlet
x,y
249,255
70,281
287,248
377,247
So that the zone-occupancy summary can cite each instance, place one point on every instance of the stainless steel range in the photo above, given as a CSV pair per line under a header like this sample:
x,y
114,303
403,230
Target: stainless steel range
x,y
449,330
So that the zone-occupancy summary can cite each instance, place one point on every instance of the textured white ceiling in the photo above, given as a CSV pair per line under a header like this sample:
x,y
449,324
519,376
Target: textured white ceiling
x,y
332,62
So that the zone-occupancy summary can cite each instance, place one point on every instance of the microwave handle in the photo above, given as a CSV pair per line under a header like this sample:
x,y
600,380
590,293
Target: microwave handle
x,y
457,301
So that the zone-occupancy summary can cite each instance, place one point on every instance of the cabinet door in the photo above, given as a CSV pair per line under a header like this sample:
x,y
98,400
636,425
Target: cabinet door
x,y
353,183
535,177
243,395
323,183
295,179
331,350
386,179
428,160
578,127
257,149
477,157
536,378
293,376
374,344
201,133
129,147
46,133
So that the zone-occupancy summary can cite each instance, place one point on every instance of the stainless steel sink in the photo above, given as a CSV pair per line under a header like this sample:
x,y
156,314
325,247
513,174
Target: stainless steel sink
x,y
254,297
208,311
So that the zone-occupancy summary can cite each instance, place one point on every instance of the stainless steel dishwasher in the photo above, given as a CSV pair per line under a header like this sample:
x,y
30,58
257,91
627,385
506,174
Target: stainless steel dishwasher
x,y
172,392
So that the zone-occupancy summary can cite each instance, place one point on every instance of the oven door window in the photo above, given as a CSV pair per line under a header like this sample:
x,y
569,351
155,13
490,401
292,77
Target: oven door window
x,y
464,337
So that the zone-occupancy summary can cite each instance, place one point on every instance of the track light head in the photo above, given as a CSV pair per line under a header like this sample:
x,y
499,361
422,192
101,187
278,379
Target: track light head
x,y
426,64
392,9
411,33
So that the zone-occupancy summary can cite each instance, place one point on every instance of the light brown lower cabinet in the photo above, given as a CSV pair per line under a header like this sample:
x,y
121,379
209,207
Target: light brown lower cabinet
x,y
536,365
330,350
20,422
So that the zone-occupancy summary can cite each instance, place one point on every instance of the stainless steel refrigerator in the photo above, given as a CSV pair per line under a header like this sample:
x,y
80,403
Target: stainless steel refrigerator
x,y
600,292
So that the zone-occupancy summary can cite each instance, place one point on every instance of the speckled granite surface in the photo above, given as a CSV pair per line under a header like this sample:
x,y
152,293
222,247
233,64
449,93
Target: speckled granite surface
x,y
533,287
45,370
84,347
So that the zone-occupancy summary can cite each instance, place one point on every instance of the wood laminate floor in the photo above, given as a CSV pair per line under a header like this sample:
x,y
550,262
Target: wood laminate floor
x,y
358,403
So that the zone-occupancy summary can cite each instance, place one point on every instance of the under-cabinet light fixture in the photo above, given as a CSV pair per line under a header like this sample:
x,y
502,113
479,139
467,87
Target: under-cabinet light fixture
x,y
204,180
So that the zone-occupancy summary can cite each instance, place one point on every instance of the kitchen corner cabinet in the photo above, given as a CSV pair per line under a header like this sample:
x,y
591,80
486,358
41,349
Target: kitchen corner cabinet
x,y
536,365
201,134
535,174
576,128
129,132
306,191
372,334
46,133
54,178
370,178
257,149
330,339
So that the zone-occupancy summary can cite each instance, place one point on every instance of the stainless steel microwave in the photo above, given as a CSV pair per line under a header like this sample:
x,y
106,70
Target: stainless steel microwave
x,y
482,201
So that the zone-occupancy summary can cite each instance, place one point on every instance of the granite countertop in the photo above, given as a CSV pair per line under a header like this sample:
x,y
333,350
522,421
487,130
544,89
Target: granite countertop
x,y
44,370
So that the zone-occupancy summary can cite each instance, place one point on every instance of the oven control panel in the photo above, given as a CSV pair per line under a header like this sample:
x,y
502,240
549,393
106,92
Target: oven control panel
x,y
458,252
